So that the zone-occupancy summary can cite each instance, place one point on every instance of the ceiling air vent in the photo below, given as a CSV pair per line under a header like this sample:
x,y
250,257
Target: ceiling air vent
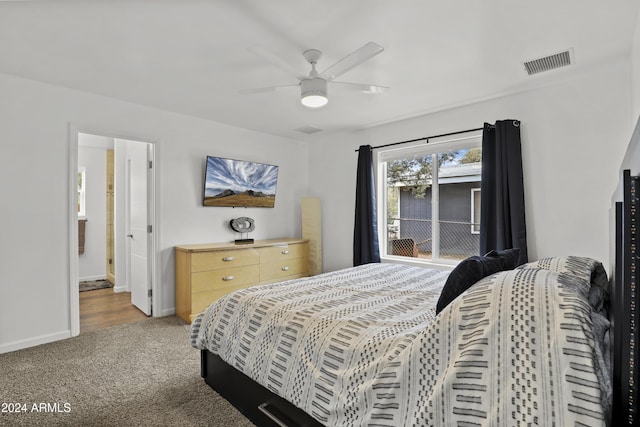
x,y
550,62
308,130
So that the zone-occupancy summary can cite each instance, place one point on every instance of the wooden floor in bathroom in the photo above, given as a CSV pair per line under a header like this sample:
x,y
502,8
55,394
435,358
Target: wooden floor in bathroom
x,y
102,308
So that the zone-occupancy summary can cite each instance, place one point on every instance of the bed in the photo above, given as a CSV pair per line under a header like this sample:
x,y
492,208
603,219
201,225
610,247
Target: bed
x,y
364,345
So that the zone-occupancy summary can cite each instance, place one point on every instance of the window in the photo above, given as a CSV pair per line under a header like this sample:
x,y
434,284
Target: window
x,y
475,211
423,191
81,191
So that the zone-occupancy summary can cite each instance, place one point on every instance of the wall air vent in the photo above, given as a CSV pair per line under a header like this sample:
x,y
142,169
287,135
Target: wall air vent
x,y
550,62
308,130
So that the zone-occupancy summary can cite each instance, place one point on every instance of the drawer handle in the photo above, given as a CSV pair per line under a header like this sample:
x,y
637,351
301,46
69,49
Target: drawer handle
x,y
286,268
285,252
263,407
228,258
228,278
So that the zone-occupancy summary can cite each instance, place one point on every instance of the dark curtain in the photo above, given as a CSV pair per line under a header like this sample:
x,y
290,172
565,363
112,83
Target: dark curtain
x,y
365,233
502,221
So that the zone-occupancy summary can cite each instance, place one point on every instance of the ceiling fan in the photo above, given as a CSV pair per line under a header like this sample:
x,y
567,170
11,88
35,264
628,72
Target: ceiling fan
x,y
313,87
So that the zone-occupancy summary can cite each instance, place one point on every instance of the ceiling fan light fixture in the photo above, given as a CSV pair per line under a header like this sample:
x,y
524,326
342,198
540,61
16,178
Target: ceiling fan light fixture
x,y
314,92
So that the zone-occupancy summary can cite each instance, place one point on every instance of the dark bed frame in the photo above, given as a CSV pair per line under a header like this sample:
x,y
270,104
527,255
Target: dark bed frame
x,y
265,408
625,307
260,405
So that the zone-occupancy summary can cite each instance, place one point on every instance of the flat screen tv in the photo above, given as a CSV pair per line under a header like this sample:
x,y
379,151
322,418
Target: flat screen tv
x,y
238,183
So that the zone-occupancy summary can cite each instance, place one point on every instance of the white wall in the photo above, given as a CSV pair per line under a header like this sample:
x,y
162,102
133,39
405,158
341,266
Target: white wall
x,y
573,139
631,158
92,155
34,183
92,263
635,72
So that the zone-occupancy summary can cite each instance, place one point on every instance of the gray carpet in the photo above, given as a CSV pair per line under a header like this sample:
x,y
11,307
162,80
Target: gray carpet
x,y
141,374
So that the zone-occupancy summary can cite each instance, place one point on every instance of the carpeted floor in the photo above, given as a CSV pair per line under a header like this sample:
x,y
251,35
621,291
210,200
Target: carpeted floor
x,y
140,374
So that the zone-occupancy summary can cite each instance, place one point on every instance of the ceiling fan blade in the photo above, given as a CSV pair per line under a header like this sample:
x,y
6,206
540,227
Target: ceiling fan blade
x,y
352,60
276,60
266,89
361,87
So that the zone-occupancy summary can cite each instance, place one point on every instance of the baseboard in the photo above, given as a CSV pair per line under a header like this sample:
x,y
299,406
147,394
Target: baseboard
x,y
165,312
120,289
32,342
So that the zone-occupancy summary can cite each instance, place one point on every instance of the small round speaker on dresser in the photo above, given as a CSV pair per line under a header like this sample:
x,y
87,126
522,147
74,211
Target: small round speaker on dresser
x,y
243,225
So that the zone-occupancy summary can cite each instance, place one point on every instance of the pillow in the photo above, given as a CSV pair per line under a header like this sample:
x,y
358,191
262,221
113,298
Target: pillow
x,y
591,271
574,265
510,257
467,273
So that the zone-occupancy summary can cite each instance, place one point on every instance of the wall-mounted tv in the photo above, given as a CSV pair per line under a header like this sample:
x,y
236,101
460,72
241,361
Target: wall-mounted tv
x,y
238,183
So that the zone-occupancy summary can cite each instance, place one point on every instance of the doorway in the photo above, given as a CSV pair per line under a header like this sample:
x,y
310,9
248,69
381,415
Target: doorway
x,y
118,231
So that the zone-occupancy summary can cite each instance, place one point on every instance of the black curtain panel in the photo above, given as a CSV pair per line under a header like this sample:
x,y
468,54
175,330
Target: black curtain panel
x,y
502,219
365,234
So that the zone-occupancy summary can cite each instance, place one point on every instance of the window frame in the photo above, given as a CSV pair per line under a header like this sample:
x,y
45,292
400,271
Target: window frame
x,y
475,223
82,190
385,154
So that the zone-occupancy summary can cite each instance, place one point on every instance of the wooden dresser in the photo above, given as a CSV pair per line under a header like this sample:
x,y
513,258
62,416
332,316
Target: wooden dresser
x,y
206,272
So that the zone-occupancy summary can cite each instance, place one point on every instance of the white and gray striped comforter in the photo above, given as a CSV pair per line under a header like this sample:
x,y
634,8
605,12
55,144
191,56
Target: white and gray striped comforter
x,y
363,346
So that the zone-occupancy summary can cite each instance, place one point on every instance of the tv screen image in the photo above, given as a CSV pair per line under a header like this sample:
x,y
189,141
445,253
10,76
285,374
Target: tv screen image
x,y
239,183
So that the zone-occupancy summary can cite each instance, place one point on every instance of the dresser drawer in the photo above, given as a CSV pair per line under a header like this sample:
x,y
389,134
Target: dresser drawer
x,y
283,253
203,261
202,300
224,278
284,268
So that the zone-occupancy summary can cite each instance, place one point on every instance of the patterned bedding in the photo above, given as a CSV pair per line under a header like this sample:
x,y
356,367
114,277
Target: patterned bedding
x,y
363,346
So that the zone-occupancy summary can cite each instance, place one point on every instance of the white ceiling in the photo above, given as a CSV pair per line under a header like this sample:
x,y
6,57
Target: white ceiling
x,y
192,57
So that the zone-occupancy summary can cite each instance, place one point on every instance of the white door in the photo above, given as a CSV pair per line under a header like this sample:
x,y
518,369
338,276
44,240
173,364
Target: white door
x,y
139,234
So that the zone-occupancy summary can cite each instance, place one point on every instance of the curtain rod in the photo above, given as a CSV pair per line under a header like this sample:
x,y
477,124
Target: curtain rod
x,y
427,138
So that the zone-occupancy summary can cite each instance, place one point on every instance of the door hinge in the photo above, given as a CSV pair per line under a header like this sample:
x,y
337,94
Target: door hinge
x,y
149,229
150,164
150,293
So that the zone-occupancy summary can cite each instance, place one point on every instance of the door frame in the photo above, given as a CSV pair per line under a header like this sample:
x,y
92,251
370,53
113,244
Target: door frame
x,y
154,215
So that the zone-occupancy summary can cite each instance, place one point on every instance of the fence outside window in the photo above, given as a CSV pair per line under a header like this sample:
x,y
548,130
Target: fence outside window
x,y
414,237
